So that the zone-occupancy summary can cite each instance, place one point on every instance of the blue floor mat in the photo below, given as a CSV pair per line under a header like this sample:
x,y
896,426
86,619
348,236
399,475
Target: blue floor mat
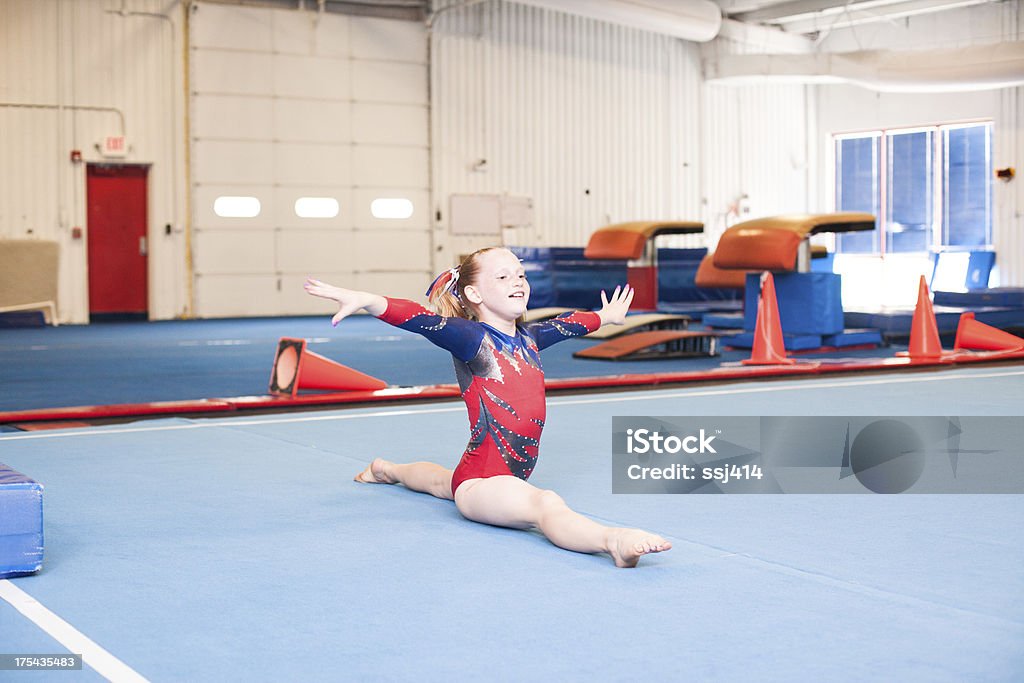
x,y
218,549
111,363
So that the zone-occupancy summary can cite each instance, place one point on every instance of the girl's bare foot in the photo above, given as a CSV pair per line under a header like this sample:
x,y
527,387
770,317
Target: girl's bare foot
x,y
627,545
374,473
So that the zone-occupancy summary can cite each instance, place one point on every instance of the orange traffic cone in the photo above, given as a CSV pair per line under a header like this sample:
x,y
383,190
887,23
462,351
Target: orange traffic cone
x,y
295,368
924,330
976,336
769,347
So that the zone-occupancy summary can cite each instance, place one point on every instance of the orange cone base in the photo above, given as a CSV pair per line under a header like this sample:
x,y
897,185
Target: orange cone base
x,y
296,368
768,360
972,335
769,347
944,356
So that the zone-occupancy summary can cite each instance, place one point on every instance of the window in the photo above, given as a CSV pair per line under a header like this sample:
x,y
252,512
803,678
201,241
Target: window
x,y
236,207
967,192
391,207
316,207
934,184
908,196
857,187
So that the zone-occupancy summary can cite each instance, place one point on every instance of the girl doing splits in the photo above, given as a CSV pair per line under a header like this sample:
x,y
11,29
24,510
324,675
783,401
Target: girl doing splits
x,y
478,306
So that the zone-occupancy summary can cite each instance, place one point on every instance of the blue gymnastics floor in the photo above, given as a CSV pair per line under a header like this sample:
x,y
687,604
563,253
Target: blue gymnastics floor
x,y
239,549
113,363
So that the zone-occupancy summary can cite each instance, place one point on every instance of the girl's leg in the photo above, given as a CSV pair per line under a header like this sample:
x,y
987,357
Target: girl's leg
x,y
511,502
425,477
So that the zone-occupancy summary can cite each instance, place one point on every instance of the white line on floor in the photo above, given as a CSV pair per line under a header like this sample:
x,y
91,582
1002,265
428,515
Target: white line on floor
x,y
640,395
104,663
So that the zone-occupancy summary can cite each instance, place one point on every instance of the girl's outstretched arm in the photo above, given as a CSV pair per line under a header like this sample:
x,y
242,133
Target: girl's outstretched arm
x,y
613,311
579,323
349,300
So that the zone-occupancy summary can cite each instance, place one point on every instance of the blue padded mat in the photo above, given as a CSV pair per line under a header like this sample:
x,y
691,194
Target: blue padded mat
x,y
897,321
1008,297
240,542
111,363
792,342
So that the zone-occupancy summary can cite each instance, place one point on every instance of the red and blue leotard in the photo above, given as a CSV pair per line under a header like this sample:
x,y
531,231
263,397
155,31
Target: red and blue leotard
x,y
501,381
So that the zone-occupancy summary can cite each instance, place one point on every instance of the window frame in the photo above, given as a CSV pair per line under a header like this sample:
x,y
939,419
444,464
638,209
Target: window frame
x,y
939,182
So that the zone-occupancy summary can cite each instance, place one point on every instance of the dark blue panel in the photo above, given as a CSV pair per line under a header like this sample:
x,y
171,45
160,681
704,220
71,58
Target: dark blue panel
x,y
857,189
910,192
968,200
22,319
667,255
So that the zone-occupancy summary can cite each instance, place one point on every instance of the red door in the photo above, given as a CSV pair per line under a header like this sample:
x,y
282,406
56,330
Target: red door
x,y
117,213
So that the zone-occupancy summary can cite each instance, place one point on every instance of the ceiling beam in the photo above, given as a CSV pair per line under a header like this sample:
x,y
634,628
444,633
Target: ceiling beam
x,y
792,8
854,17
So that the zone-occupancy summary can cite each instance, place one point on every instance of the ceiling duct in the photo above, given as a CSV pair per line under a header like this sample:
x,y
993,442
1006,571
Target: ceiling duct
x,y
696,20
977,67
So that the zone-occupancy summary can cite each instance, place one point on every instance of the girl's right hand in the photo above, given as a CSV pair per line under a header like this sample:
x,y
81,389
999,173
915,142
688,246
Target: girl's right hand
x,y
613,311
349,300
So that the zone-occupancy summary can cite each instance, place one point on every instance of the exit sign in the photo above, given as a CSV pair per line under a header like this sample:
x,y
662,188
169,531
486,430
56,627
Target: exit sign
x,y
114,146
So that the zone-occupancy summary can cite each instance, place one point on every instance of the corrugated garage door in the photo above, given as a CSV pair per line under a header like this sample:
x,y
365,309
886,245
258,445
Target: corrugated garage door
x,y
309,156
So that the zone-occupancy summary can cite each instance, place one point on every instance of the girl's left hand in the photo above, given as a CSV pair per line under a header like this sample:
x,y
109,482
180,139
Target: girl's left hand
x,y
613,311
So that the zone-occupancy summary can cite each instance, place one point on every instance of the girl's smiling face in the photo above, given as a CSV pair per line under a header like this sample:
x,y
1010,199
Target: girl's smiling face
x,y
501,288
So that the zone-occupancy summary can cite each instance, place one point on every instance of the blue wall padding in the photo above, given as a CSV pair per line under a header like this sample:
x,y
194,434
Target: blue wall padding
x,y
542,284
22,319
578,283
21,524
561,276
677,270
809,303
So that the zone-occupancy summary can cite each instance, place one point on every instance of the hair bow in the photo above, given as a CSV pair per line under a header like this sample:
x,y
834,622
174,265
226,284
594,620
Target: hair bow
x,y
448,280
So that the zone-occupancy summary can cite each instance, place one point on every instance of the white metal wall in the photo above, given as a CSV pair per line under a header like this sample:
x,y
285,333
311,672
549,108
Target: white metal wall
x,y
759,145
65,57
596,123
289,104
1008,140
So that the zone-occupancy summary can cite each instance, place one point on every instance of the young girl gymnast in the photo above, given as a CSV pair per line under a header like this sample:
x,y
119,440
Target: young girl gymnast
x,y
479,307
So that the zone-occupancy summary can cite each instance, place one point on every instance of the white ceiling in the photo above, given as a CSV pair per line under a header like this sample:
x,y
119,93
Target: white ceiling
x,y
812,16
794,16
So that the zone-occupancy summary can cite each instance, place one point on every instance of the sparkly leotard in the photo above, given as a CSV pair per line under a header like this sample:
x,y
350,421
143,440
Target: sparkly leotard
x,y
501,380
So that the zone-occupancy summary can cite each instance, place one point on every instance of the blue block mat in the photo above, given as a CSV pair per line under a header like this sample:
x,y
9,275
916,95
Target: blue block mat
x,y
21,524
